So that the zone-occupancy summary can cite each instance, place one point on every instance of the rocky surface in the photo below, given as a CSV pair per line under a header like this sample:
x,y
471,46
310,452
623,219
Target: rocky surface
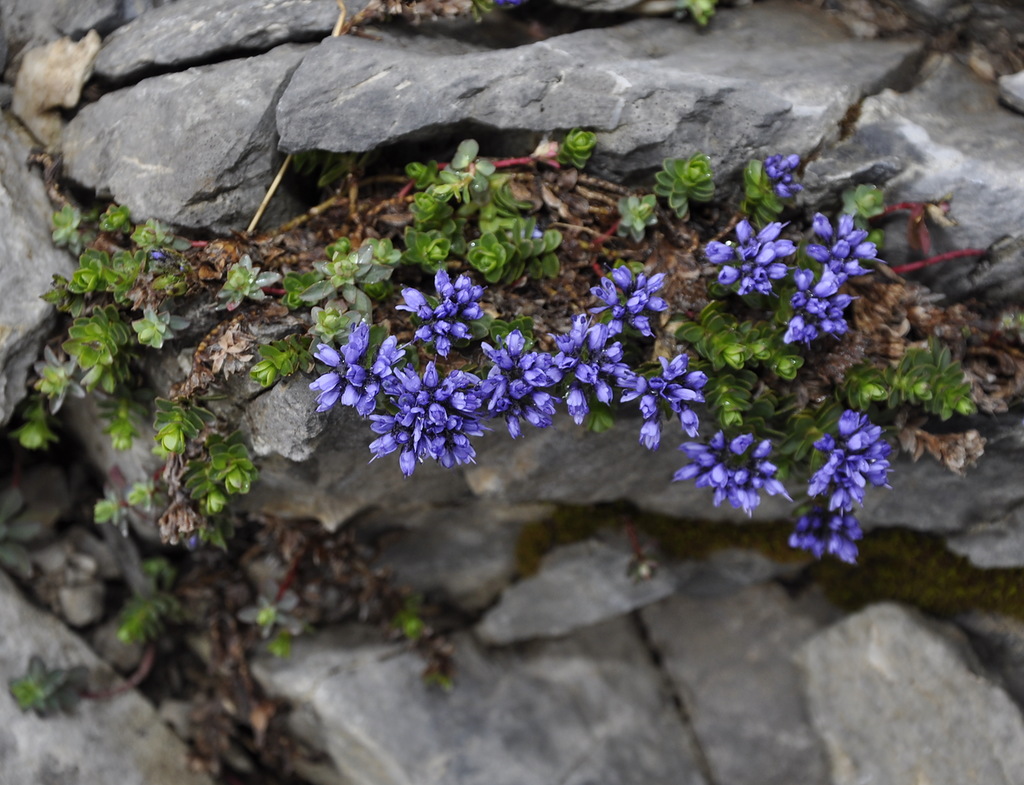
x,y
651,89
29,262
129,144
118,740
589,708
917,144
886,688
724,670
193,32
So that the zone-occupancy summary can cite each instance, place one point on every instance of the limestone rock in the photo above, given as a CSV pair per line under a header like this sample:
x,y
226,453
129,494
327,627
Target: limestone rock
x,y
465,553
920,139
897,699
194,148
119,740
29,262
650,88
194,32
585,709
578,585
731,659
1011,91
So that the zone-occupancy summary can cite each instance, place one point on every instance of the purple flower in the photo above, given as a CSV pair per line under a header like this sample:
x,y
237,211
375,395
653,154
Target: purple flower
x,y
433,418
352,382
858,457
589,365
664,391
637,298
817,308
780,170
847,246
449,319
736,472
821,532
755,262
517,382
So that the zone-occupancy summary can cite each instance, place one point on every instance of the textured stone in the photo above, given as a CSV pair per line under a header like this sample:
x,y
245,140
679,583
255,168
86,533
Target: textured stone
x,y
465,554
119,740
29,262
920,139
650,88
897,699
194,148
193,32
578,585
1011,91
588,709
731,659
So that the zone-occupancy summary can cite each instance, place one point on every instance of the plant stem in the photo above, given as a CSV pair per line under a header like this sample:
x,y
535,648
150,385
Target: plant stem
x,y
133,681
909,267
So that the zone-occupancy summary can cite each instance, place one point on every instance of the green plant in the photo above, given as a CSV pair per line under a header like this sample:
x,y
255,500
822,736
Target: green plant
x,y
225,470
45,690
57,379
682,180
177,422
282,358
36,431
156,235
116,218
68,231
577,148
345,274
636,214
700,10
760,202
145,616
245,282
122,414
100,345
272,614
156,327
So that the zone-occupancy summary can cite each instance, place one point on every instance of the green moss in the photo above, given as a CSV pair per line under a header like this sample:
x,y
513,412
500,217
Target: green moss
x,y
894,564
916,568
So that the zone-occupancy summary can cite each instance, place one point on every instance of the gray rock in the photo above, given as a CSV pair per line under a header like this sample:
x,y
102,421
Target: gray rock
x,y
980,511
897,699
193,149
193,32
119,740
464,553
1011,91
123,656
726,572
650,88
936,12
999,642
731,660
29,261
921,134
31,23
82,604
578,585
585,709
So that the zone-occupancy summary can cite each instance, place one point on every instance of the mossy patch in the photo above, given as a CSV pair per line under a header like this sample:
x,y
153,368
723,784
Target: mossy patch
x,y
894,564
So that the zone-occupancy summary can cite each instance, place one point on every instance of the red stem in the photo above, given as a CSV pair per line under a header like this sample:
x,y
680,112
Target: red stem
x,y
634,540
276,290
894,208
133,681
909,267
200,243
289,578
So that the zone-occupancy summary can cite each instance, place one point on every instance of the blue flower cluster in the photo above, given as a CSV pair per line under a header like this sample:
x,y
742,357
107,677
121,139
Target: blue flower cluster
x,y
434,416
449,319
736,472
755,262
818,306
858,457
780,169
639,299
